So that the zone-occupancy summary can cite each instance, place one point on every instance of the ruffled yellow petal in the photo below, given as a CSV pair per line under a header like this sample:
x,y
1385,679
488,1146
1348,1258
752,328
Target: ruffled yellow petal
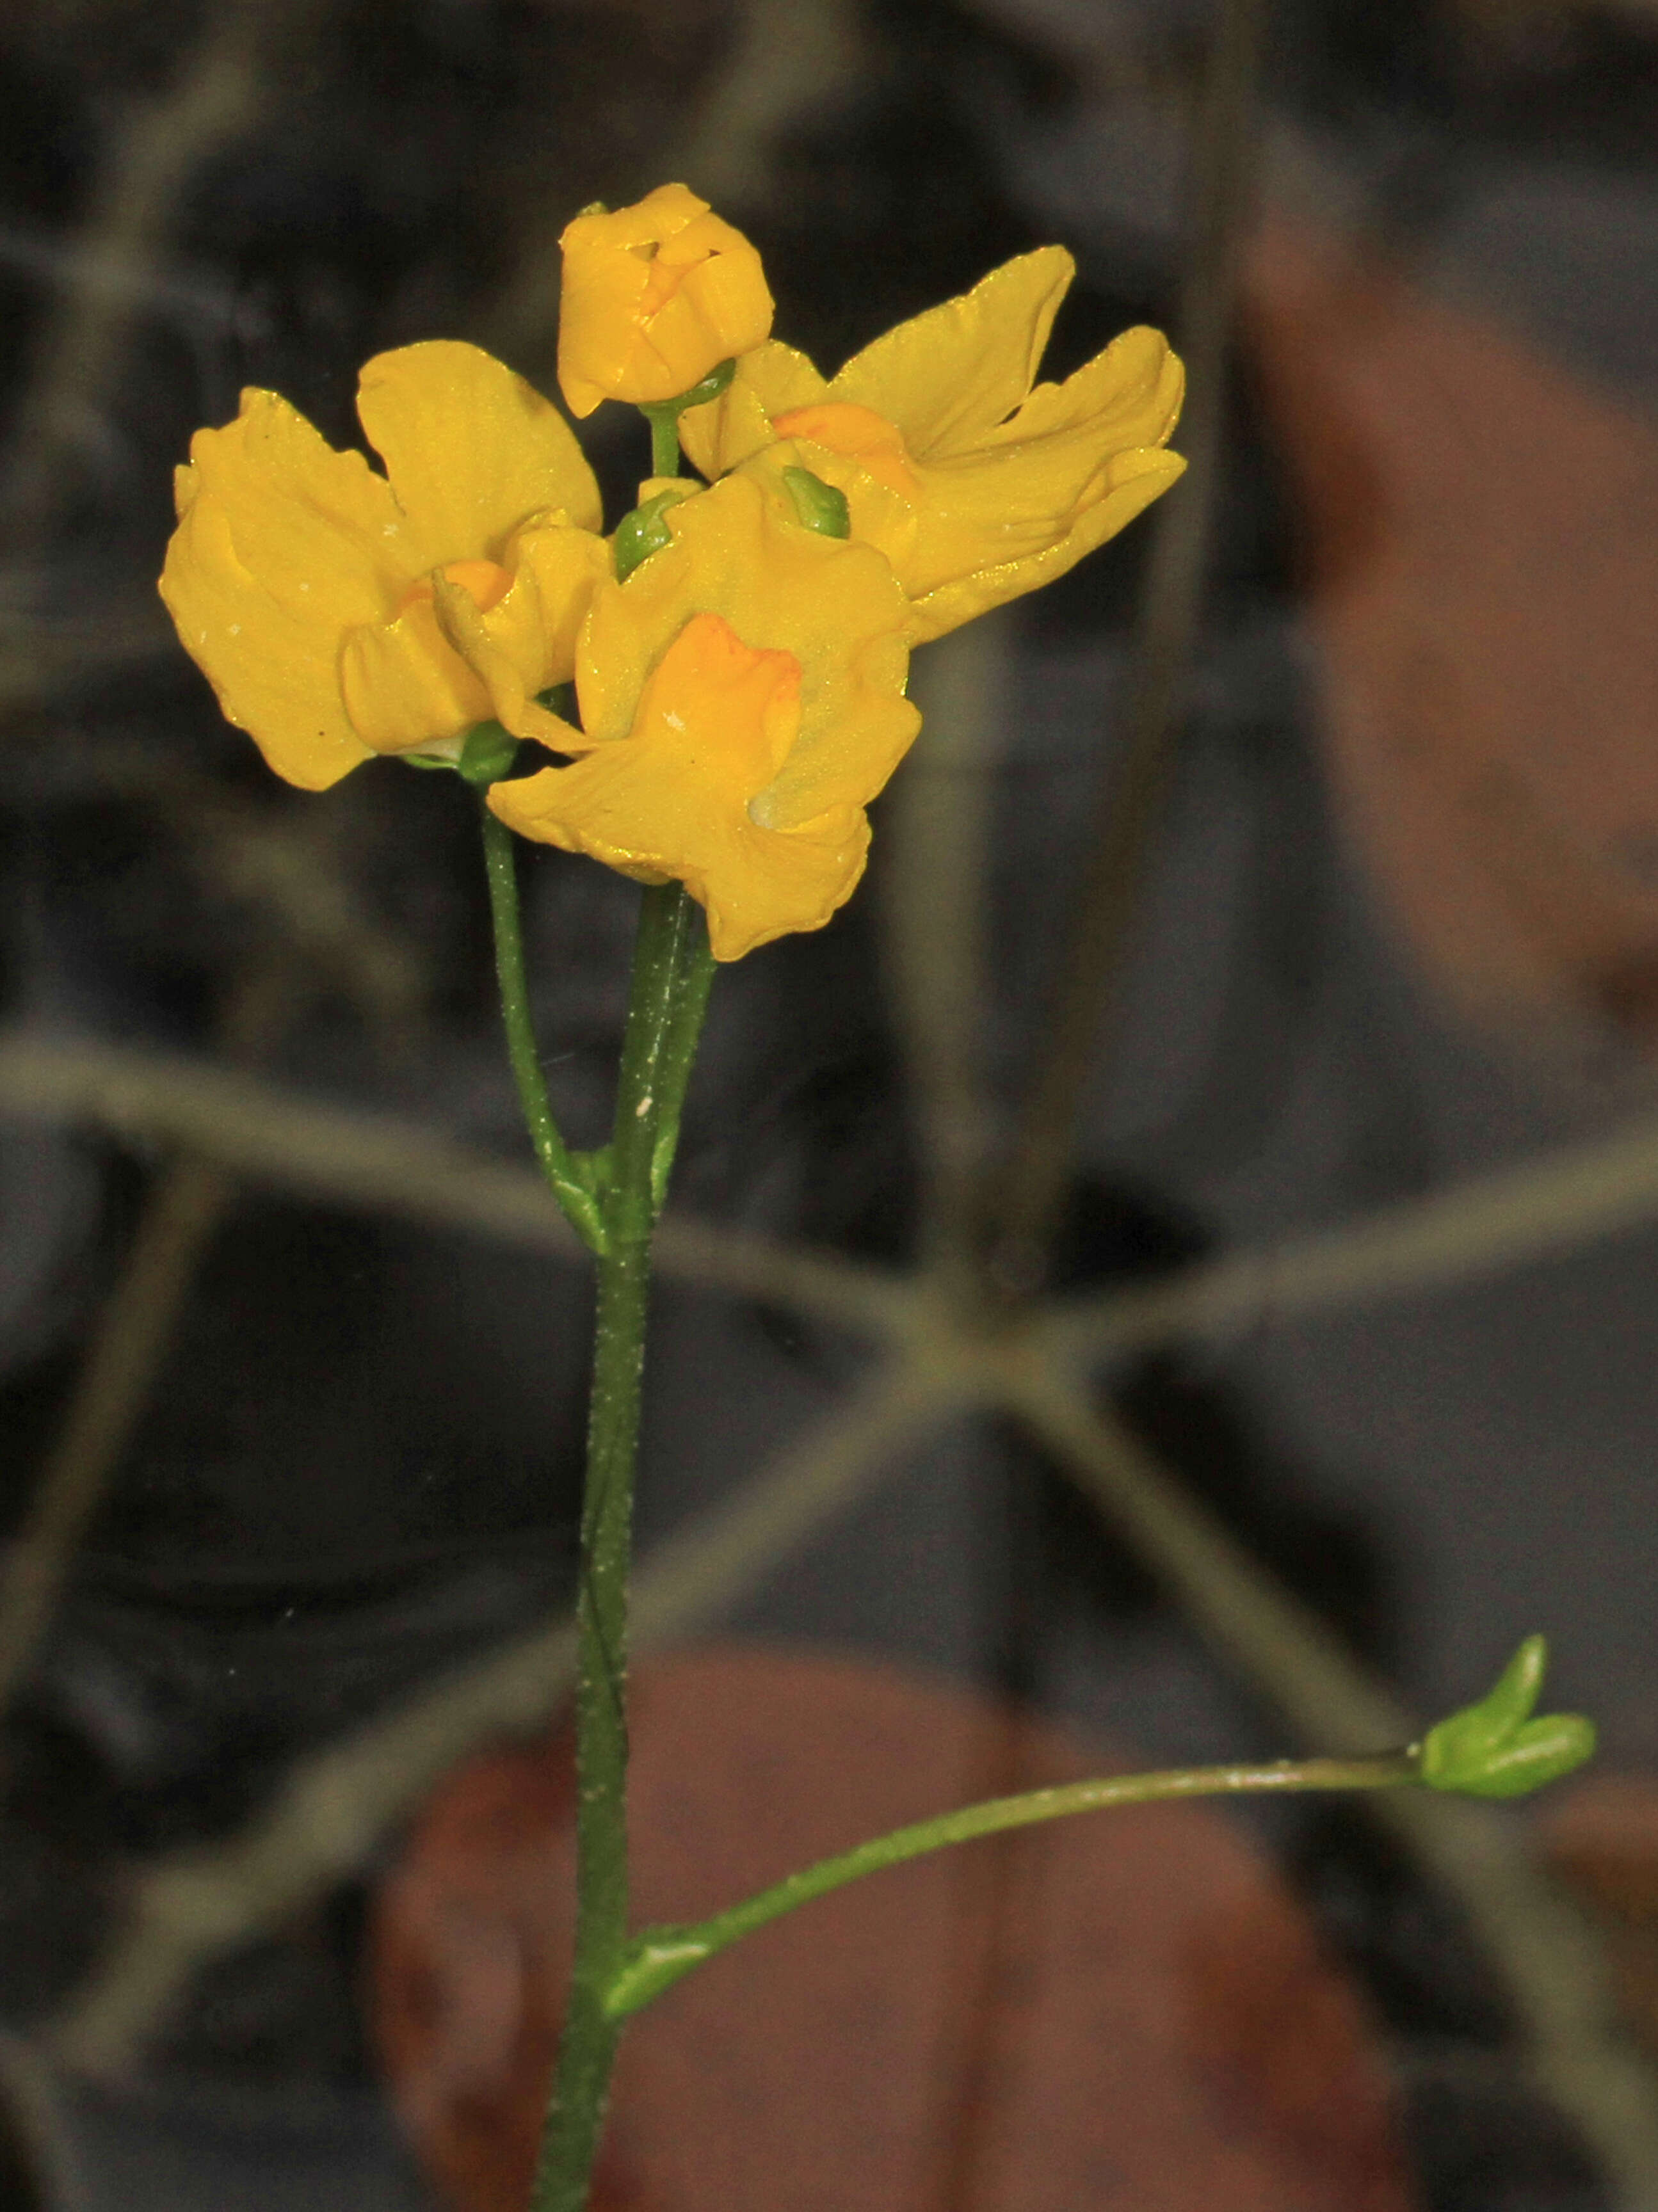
x,y
948,377
470,450
317,527
880,514
282,543
654,297
715,721
274,673
768,383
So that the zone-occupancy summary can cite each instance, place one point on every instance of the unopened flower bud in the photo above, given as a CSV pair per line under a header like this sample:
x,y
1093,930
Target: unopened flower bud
x,y
654,297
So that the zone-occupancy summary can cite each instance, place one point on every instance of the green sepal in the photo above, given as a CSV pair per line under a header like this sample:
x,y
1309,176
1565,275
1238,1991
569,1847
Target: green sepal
x,y
486,755
642,532
1495,1748
821,507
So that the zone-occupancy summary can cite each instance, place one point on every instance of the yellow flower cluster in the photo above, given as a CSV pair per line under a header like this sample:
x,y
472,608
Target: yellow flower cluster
x,y
740,679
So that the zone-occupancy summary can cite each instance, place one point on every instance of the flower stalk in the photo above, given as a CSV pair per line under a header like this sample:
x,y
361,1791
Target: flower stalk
x,y
570,1175
671,973
658,1957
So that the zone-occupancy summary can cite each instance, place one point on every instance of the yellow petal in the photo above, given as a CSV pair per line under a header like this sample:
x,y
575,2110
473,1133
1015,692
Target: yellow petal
x,y
599,309
470,449
858,434
1135,480
949,376
714,723
495,647
404,686
731,708
273,673
317,527
566,568
879,514
1128,395
722,308
768,381
659,216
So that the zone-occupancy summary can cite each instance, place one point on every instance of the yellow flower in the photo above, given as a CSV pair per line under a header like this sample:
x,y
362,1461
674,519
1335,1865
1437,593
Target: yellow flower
x,y
338,613
743,699
976,486
654,297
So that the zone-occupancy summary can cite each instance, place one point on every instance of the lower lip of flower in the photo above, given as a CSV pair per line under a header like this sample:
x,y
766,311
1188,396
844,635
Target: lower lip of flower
x,y
731,708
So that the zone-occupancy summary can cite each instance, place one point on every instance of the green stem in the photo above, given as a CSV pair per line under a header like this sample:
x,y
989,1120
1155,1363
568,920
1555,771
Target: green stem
x,y
664,440
573,1192
659,1956
670,977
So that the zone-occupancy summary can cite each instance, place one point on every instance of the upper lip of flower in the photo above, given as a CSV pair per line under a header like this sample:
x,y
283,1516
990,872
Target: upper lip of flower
x,y
976,481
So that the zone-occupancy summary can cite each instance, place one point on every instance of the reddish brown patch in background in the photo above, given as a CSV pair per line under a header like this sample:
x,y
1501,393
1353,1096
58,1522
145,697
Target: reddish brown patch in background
x,y
1163,2032
1482,552
1601,1839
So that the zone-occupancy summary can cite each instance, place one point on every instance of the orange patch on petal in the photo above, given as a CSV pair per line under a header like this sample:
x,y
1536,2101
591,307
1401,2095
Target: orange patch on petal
x,y
731,710
859,433
484,582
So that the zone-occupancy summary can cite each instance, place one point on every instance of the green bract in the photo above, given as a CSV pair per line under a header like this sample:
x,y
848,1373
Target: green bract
x,y
1496,1748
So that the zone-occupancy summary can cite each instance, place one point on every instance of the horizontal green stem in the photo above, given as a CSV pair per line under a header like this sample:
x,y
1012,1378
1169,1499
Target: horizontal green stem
x,y
659,1956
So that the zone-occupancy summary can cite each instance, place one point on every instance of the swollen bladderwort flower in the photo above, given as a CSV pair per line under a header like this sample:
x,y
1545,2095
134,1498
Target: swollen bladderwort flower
x,y
338,613
975,485
742,701
654,297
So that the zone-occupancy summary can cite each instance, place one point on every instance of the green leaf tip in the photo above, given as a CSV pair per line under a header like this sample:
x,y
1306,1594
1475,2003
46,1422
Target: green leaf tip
x,y
1496,1748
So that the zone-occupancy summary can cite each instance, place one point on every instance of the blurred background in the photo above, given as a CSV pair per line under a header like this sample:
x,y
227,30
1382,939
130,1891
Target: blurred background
x,y
1255,997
